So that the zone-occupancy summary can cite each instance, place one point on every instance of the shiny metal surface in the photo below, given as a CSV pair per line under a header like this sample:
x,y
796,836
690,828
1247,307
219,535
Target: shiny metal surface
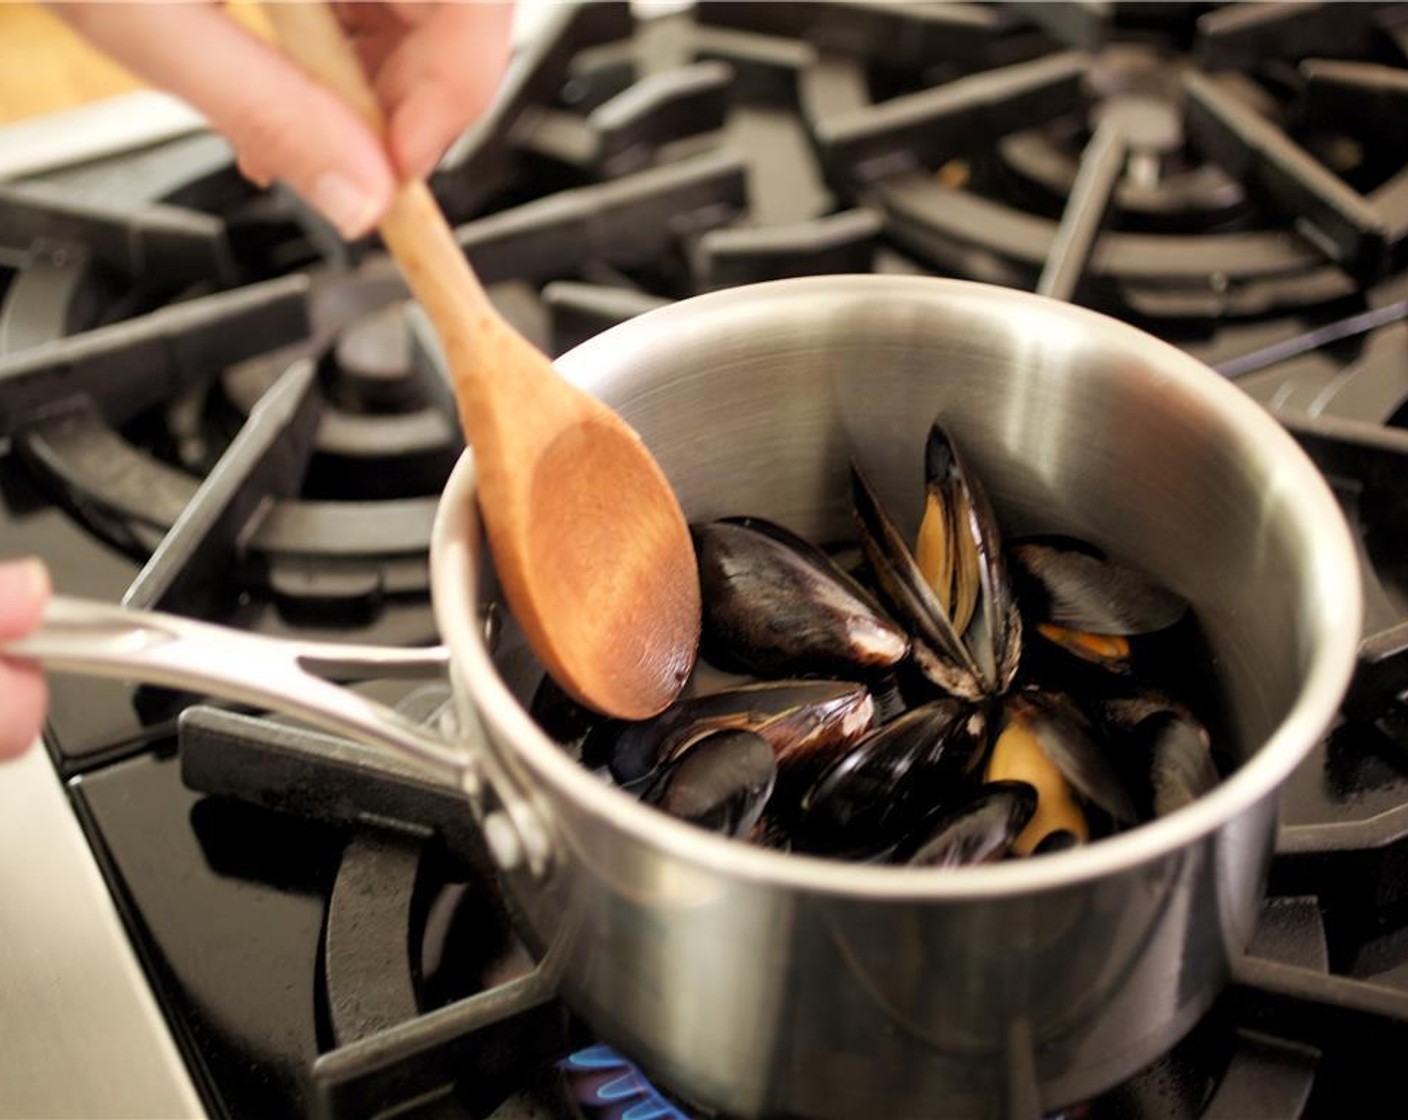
x,y
759,983
102,640
82,1035
294,677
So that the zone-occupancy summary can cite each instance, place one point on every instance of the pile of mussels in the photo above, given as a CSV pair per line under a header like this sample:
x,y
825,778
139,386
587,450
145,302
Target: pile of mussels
x,y
982,703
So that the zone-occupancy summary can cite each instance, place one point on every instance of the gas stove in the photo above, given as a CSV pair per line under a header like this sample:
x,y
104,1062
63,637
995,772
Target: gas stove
x,y
210,405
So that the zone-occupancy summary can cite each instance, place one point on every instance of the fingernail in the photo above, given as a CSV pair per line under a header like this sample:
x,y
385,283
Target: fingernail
x,y
24,580
344,203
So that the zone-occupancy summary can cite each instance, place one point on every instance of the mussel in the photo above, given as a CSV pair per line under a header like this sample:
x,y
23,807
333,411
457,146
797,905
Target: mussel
x,y
953,590
800,719
720,781
1166,745
1086,604
1071,583
981,829
878,791
1048,743
1017,756
776,605
1181,768
1109,651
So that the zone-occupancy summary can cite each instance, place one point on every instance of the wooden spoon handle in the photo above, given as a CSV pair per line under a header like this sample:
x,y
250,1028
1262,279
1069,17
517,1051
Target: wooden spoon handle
x,y
414,229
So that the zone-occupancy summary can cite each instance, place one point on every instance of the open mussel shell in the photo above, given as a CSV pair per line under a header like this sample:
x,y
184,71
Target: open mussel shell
x,y
1111,652
952,591
1070,586
776,609
979,830
878,791
1048,743
1018,756
721,781
1076,745
799,719
938,649
995,632
944,548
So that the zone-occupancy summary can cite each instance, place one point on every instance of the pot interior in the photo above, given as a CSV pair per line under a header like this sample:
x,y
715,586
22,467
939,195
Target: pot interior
x,y
754,401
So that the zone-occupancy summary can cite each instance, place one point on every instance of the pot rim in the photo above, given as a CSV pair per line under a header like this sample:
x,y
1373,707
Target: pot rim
x,y
457,547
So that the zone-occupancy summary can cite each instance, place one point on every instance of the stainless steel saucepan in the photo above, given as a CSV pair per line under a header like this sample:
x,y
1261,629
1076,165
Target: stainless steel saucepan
x,y
758,983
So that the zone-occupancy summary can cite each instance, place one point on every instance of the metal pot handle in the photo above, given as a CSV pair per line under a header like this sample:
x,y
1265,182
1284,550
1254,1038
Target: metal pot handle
x,y
101,640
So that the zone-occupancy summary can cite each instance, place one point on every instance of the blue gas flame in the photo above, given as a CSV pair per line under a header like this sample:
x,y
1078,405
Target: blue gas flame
x,y
614,1089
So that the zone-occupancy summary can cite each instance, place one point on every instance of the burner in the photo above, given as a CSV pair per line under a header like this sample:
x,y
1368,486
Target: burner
x,y
605,1086
1178,215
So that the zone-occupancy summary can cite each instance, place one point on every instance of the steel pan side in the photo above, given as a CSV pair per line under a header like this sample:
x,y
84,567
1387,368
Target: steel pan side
x,y
758,983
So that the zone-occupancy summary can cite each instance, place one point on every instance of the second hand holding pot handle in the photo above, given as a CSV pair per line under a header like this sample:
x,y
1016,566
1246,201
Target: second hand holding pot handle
x,y
102,640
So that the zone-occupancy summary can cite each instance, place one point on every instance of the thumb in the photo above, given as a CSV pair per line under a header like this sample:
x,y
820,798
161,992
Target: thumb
x,y
24,589
283,124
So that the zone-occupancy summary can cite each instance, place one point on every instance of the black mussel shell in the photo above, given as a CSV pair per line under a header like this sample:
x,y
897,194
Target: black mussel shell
x,y
1075,745
944,547
1047,742
1164,746
938,649
813,719
1058,841
889,696
721,781
1128,710
562,718
995,635
1069,586
980,830
798,718
1181,768
804,547
877,792
777,611
1047,668
1018,755
952,591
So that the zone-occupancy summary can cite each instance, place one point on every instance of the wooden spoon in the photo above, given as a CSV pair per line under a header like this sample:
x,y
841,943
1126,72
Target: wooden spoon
x,y
590,544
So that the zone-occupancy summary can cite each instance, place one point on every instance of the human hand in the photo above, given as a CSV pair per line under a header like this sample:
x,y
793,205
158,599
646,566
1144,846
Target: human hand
x,y
24,589
434,67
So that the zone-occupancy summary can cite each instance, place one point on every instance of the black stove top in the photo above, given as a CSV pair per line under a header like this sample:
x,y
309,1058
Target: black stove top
x,y
214,407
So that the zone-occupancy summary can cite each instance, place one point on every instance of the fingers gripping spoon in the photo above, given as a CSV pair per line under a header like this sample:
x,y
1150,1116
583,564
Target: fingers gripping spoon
x,y
591,547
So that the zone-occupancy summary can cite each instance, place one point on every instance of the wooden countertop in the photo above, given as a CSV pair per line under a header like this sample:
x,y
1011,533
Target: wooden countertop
x,y
45,67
